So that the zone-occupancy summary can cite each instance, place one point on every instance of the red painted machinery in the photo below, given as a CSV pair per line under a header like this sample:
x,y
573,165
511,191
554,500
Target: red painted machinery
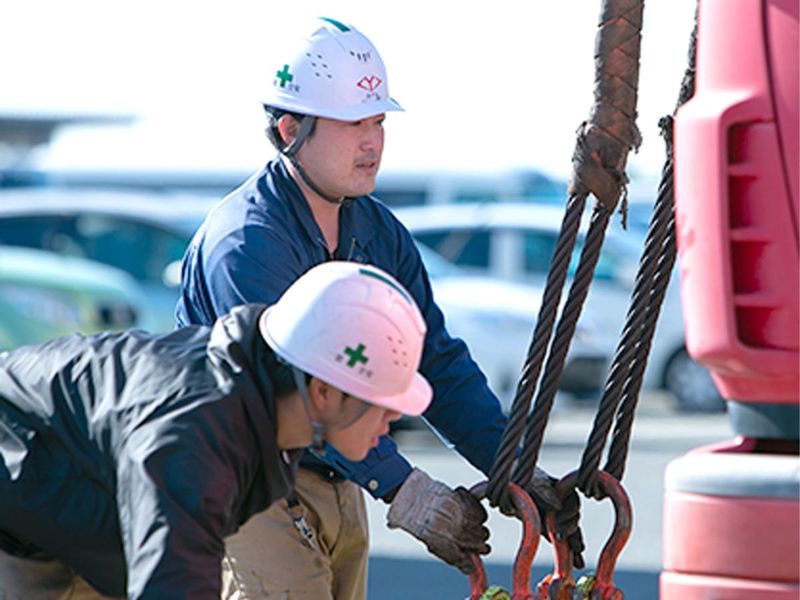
x,y
731,511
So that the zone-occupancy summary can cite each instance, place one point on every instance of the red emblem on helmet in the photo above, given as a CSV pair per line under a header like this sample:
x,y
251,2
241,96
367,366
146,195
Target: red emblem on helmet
x,y
370,83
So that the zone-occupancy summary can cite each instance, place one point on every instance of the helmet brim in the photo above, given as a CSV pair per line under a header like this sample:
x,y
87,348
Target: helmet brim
x,y
349,114
413,402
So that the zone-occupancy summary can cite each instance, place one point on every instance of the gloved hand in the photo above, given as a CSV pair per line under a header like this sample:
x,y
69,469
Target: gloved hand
x,y
542,491
449,522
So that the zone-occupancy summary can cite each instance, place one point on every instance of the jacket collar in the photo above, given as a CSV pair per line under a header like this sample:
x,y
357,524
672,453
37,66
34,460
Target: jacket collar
x,y
237,349
354,222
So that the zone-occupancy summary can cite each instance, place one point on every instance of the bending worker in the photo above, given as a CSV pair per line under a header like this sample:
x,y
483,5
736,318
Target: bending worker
x,y
310,204
127,458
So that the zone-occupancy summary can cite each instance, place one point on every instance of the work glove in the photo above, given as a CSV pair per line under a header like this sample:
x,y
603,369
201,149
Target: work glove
x,y
568,526
541,489
450,522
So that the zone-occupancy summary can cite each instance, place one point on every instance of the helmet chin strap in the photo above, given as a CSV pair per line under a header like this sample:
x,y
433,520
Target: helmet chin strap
x,y
318,430
290,152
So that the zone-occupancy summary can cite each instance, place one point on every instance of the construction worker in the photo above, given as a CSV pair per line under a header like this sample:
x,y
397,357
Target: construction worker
x,y
325,108
126,458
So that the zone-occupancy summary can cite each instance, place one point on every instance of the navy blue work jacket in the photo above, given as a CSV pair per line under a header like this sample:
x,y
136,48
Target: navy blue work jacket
x,y
263,236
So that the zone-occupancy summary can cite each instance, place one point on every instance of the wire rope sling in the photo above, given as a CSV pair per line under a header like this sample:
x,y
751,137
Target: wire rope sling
x,y
603,143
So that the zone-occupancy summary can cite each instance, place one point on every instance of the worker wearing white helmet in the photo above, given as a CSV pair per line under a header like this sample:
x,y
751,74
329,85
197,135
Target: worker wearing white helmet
x,y
127,458
326,101
355,328
333,75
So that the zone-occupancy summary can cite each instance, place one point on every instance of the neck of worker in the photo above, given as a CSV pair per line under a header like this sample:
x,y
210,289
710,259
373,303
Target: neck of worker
x,y
326,214
293,421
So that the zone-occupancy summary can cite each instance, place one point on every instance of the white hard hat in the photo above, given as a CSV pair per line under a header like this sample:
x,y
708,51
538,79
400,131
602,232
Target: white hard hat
x,y
356,328
335,73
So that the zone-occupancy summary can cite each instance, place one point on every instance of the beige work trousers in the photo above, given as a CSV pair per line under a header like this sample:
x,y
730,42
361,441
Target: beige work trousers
x,y
268,559
28,579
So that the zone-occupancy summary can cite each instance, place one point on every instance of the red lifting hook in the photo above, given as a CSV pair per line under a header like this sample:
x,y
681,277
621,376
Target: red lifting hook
x,y
531,529
561,585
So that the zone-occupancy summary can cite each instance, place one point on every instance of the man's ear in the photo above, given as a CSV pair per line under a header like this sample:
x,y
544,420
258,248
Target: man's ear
x,y
320,394
287,127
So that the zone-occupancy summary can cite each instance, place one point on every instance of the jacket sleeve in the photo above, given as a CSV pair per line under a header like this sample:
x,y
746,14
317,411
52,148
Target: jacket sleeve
x,y
174,503
463,409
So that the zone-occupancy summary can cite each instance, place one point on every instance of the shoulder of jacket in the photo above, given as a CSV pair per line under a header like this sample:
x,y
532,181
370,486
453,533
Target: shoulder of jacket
x,y
379,213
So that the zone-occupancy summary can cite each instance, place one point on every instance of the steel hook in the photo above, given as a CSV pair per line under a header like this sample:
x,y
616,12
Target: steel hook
x,y
600,586
559,584
531,529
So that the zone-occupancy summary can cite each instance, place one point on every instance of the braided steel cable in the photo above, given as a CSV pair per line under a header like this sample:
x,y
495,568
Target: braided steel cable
x,y
601,150
662,232
620,442
500,473
629,349
534,432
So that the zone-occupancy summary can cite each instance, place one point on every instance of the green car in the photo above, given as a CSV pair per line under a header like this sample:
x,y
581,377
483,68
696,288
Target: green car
x,y
44,295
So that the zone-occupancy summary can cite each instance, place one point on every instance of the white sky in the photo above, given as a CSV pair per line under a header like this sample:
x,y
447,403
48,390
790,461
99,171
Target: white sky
x,y
487,86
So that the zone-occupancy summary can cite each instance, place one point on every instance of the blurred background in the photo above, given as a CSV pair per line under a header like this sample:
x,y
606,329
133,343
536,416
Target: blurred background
x,y
487,88
121,123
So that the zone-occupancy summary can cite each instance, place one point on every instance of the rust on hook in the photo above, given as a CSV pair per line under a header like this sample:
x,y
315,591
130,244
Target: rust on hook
x,y
561,585
531,529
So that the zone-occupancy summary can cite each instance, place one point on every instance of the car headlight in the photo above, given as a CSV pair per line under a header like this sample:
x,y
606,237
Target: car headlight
x,y
116,315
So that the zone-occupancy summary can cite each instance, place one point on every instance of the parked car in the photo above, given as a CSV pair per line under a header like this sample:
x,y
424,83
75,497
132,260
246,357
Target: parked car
x,y
515,241
146,235
43,295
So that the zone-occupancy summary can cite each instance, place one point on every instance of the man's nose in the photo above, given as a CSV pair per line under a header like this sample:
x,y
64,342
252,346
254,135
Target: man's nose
x,y
373,139
393,415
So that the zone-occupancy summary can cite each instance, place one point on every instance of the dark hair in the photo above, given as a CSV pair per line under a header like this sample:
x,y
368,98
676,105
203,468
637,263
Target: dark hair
x,y
279,372
273,115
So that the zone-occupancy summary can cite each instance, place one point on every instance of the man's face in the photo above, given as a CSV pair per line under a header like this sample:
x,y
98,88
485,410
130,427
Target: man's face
x,y
342,158
355,440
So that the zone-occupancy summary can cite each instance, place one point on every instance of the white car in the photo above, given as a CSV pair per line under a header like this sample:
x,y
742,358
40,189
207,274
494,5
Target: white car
x,y
146,235
515,241
495,318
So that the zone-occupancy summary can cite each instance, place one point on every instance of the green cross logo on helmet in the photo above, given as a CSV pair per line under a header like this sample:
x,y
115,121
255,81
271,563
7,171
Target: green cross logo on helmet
x,y
284,76
356,356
